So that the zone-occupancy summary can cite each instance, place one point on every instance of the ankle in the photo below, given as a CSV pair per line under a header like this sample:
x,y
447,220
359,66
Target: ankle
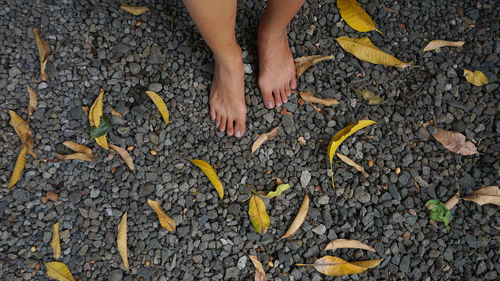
x,y
229,57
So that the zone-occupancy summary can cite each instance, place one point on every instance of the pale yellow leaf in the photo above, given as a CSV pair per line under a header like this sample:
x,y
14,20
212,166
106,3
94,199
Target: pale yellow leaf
x,y
211,175
124,155
341,136
453,201
32,101
167,222
435,44
121,239
485,195
43,52
355,16
260,274
299,218
264,137
303,63
334,266
476,78
134,10
346,243
367,263
55,243
102,142
453,141
160,105
19,166
95,112
280,189
353,164
369,96
309,97
363,49
258,215
59,271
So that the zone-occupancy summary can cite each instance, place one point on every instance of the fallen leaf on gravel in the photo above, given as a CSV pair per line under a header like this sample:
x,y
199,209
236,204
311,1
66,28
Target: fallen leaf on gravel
x,y
211,175
52,196
160,105
102,129
55,243
116,113
59,271
167,222
264,137
277,192
78,147
368,96
309,97
32,101
23,131
302,141
435,44
258,215
438,212
334,266
353,164
303,63
341,136
299,219
355,16
74,156
124,155
453,141
121,239
43,51
260,274
346,243
134,10
363,49
19,166
95,114
476,78
453,201
485,195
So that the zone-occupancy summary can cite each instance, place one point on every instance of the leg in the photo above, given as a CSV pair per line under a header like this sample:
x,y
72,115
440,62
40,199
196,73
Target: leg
x,y
276,66
215,20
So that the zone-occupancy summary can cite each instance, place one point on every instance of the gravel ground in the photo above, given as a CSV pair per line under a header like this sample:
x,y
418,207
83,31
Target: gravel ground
x,y
99,46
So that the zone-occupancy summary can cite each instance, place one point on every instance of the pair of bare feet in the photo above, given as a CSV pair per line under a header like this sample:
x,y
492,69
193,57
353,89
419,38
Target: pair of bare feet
x,y
276,80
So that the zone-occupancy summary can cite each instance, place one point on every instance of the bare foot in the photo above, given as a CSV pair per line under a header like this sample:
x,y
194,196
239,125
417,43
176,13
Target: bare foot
x,y
276,66
227,95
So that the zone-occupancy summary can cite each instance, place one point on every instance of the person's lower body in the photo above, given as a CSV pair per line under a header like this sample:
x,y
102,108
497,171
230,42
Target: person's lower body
x,y
215,20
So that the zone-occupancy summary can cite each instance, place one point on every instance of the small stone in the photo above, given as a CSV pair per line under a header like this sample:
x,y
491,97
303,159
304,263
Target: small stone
x,y
232,273
305,178
242,262
134,67
155,87
116,275
404,265
156,57
320,229
248,68
288,124
323,200
14,71
146,189
404,178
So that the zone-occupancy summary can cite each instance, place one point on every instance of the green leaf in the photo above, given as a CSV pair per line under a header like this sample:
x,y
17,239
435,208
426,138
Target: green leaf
x,y
438,212
103,128
278,191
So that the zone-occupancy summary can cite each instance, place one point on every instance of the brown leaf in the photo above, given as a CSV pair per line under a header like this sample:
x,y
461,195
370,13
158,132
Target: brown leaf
x,y
345,243
435,44
78,147
309,97
453,201
32,101
334,266
453,141
299,219
485,195
303,63
134,10
121,240
52,196
167,222
353,164
43,51
265,137
74,156
125,156
260,274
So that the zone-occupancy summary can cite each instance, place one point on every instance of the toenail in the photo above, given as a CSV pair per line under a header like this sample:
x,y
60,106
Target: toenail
x,y
278,104
238,133
270,104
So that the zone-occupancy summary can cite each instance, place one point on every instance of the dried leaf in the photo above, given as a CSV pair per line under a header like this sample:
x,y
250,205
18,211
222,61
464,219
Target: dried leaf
x,y
121,239
346,243
55,243
303,63
299,219
134,10
485,195
59,271
363,49
353,164
438,212
341,136
32,101
453,141
95,112
264,137
369,96
78,147
125,156
160,105
43,51
308,96
476,78
23,131
102,142
453,201
19,166
334,266
211,175
74,156
260,274
277,192
116,113
435,44
355,16
167,222
258,215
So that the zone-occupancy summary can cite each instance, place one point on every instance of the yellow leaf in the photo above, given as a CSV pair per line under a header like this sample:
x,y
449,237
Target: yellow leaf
x,y
277,192
260,274
369,96
95,112
353,164
32,101
55,243
264,137
346,243
78,147
167,222
43,52
363,49
19,166
22,129
485,195
258,215
309,97
102,141
367,263
121,239
160,105
303,63
211,175
341,136
125,156
74,156
355,16
476,78
435,44
299,219
134,10
59,271
334,266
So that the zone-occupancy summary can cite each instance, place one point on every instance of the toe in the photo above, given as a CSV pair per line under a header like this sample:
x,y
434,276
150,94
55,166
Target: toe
x,y
284,96
267,96
229,127
239,127
293,83
218,118
222,125
212,114
277,97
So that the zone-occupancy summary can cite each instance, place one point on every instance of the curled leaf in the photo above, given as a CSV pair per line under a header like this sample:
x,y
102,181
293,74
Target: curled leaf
x,y
485,195
369,96
59,271
258,215
134,10
167,222
452,201
102,129
95,111
309,97
43,52
55,243
435,44
341,136
260,274
334,266
355,16
160,105
438,212
346,243
453,141
124,155
23,131
32,101
211,175
121,239
102,142
74,156
80,149
265,137
363,49
476,78
353,164
19,166
303,63
299,218
277,192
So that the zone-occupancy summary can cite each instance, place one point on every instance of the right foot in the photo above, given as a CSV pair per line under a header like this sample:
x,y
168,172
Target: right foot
x,y
227,95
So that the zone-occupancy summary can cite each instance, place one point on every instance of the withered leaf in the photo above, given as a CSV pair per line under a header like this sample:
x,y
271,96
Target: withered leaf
x,y
211,175
124,155
74,156
453,201
369,96
476,78
55,243
303,63
19,166
299,219
121,239
265,137
166,222
260,274
309,97
59,271
346,243
78,147
258,215
435,44
485,195
353,164
134,10
453,141
43,51
32,101
334,266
